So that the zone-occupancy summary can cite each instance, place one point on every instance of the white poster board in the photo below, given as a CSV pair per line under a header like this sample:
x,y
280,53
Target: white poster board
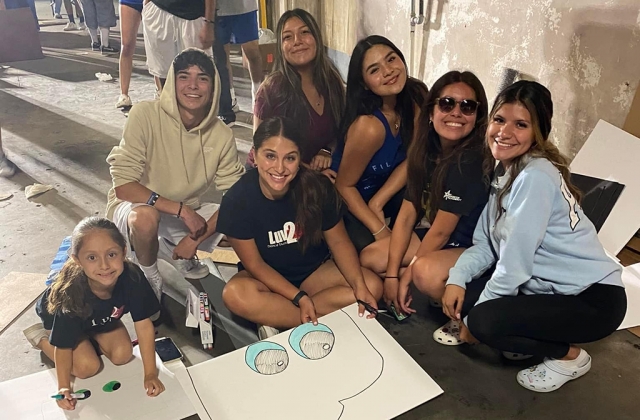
x,y
612,154
631,280
346,368
29,397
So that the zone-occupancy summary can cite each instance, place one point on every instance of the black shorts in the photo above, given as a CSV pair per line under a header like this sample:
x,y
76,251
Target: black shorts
x,y
296,279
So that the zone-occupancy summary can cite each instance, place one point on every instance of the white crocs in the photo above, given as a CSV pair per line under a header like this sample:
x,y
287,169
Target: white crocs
x,y
551,374
448,334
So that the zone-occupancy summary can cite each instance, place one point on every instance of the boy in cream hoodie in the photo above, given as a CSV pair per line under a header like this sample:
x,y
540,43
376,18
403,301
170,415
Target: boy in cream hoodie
x,y
171,151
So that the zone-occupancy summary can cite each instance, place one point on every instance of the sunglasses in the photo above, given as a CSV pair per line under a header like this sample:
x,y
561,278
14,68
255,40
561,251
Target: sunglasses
x,y
447,104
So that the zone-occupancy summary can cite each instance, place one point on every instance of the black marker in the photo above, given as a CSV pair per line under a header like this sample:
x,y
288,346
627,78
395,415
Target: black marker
x,y
368,307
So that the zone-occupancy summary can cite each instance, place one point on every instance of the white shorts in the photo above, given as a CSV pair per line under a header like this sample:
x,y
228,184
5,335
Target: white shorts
x,y
171,228
166,36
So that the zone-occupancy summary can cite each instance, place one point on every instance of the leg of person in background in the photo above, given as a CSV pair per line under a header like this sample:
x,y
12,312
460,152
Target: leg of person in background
x,y
129,23
71,26
57,5
81,25
251,50
91,19
106,15
32,6
6,167
232,91
225,112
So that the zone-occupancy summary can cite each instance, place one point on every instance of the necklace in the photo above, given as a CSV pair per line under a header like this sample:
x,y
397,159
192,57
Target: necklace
x,y
396,120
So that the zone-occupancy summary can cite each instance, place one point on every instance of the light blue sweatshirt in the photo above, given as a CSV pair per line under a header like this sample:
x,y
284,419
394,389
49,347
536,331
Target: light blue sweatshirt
x,y
543,241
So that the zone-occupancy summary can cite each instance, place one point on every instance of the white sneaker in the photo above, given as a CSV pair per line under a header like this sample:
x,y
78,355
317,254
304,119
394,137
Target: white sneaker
x,y
192,269
123,101
71,26
35,334
551,374
82,26
265,332
7,169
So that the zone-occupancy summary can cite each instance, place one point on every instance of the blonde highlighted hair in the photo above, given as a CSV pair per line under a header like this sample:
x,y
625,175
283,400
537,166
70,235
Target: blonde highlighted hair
x,y
537,100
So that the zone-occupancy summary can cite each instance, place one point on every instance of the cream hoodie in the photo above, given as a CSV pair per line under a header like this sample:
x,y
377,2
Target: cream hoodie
x,y
179,164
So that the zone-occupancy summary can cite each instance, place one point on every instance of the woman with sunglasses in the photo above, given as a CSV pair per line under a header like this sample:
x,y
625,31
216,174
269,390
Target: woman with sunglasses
x,y
446,192
383,105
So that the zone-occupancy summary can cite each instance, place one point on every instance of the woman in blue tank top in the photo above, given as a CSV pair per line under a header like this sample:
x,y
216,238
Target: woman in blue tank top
x,y
383,105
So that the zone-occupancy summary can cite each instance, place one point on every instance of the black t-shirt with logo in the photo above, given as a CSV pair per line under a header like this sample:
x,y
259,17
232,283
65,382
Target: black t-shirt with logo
x,y
465,194
132,293
185,9
245,213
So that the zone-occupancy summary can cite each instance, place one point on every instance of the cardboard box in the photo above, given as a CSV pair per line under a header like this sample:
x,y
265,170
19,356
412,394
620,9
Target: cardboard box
x,y
268,53
19,39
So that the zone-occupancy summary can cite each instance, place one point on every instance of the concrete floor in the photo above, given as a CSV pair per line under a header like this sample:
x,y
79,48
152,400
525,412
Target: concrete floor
x,y
58,125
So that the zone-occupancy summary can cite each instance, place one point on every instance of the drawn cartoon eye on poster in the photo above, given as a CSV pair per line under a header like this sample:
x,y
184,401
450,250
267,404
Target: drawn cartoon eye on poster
x,y
344,368
29,397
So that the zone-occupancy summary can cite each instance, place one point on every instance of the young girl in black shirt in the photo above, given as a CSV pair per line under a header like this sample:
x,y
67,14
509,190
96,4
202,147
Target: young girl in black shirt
x,y
285,223
85,303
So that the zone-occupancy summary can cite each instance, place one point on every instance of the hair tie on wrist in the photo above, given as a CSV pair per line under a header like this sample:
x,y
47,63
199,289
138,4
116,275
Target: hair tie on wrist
x,y
381,229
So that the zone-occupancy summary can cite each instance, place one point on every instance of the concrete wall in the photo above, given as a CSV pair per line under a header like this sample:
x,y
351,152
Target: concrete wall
x,y
587,52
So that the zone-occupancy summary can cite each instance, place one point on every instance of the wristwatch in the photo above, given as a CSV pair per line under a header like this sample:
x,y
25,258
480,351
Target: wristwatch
x,y
300,295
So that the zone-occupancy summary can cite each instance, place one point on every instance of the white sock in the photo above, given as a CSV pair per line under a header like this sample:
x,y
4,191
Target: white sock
x,y
233,95
153,276
104,37
93,33
579,361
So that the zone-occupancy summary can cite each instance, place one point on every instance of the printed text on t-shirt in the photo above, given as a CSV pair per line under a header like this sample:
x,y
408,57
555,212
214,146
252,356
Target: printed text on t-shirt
x,y
287,235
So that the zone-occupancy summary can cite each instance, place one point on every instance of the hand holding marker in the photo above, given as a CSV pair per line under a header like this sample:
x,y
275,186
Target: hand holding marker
x,y
82,395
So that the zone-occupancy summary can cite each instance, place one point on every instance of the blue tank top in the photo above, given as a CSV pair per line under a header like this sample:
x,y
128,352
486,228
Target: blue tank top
x,y
384,161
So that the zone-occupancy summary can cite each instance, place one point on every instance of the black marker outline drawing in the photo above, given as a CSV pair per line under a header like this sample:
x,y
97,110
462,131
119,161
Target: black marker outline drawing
x,y
341,401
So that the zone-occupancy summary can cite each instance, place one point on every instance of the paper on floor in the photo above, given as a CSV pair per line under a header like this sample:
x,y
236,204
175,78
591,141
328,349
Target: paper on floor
x,y
345,368
29,397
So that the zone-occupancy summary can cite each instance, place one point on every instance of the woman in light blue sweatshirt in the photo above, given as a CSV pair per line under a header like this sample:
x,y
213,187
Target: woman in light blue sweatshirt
x,y
553,285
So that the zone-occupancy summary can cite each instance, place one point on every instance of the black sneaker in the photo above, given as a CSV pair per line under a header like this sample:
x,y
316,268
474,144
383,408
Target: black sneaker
x,y
109,50
95,46
230,119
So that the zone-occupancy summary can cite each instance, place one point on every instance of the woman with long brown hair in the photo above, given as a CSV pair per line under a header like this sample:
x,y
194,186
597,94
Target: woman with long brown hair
x,y
445,192
305,86
296,260
553,286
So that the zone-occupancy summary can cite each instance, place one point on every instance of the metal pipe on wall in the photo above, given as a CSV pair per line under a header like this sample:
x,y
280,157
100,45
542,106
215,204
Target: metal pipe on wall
x,y
414,20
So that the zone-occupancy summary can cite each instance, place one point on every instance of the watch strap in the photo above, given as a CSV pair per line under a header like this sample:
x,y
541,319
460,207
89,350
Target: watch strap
x,y
300,295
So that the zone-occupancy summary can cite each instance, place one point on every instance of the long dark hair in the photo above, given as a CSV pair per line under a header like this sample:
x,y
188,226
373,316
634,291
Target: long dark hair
x,y
362,101
284,82
309,188
426,164
537,100
70,290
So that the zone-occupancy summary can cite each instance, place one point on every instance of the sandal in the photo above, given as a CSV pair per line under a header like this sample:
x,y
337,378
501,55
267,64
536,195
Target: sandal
x,y
448,334
551,374
516,356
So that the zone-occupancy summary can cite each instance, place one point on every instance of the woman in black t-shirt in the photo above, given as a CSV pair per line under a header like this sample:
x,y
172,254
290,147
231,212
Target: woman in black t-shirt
x,y
285,223
445,188
87,300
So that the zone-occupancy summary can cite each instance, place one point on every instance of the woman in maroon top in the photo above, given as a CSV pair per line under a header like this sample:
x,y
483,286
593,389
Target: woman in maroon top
x,y
305,86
